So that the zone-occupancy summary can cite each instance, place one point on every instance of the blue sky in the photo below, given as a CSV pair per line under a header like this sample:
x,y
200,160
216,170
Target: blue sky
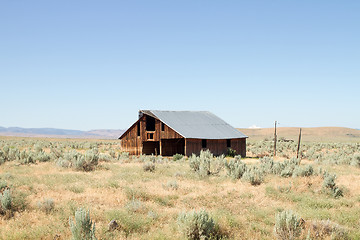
x,y
93,64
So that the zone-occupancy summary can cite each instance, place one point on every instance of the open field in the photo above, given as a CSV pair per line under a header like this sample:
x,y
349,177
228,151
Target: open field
x,y
317,134
147,202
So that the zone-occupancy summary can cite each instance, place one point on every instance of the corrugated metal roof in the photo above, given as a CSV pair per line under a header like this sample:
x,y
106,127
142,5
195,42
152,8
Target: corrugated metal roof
x,y
197,124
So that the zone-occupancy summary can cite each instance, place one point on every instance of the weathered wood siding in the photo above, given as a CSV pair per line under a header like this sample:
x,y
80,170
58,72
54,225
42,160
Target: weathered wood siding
x,y
216,146
132,143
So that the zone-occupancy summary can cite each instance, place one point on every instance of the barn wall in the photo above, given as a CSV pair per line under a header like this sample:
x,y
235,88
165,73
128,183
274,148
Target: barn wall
x,y
130,142
169,147
216,146
133,144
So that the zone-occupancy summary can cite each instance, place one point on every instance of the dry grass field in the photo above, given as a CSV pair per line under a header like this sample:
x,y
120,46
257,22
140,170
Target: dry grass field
x,y
147,204
316,134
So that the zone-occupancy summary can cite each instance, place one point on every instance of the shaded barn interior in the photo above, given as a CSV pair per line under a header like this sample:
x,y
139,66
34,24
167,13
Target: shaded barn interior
x,y
185,132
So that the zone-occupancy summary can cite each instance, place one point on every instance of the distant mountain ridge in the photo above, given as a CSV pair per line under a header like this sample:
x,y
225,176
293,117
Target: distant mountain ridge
x,y
60,133
323,134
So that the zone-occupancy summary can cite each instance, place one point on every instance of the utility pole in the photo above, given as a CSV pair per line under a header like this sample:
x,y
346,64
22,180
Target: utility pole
x,y
275,139
298,149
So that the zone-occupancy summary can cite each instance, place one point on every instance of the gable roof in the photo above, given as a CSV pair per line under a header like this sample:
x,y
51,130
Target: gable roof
x,y
196,124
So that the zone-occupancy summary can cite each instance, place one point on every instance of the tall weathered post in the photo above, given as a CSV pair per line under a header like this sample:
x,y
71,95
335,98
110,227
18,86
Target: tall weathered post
x,y
298,149
275,139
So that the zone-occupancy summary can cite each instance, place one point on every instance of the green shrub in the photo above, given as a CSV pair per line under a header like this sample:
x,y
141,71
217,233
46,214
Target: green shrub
x,y
178,157
288,225
83,228
2,157
267,164
42,157
172,184
277,168
205,164
149,167
82,162
123,156
356,160
88,161
38,147
254,176
104,157
289,167
235,168
325,228
135,205
27,157
6,200
129,222
230,152
47,205
329,186
3,184
303,171
198,225
112,153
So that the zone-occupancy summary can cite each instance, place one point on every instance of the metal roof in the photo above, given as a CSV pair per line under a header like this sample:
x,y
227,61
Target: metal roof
x,y
196,124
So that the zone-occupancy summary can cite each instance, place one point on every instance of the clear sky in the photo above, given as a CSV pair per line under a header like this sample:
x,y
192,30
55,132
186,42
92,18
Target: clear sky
x,y
93,64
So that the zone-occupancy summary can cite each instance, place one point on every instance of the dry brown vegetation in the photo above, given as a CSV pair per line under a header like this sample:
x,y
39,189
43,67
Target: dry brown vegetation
x,y
316,134
146,204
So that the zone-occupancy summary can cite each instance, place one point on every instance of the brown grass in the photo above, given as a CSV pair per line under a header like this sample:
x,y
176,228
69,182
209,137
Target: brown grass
x,y
317,134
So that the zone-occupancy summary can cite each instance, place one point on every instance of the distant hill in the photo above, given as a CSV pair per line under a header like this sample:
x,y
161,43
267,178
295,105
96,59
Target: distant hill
x,y
324,134
60,133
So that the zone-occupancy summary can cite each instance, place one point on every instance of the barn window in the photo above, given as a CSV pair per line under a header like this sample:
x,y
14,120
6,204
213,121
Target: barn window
x,y
138,129
150,123
150,136
162,126
228,143
203,143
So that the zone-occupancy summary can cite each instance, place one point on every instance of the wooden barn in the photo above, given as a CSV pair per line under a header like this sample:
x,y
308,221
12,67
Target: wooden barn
x,y
184,132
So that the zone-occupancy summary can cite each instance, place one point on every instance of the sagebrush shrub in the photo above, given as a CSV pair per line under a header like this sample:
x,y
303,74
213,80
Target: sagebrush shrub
x,y
135,205
3,184
83,162
42,157
329,185
254,175
322,229
198,225
123,156
206,164
289,167
356,160
89,161
303,171
149,167
83,227
27,157
277,168
112,153
172,184
6,200
288,225
47,205
235,168
178,157
105,157
266,164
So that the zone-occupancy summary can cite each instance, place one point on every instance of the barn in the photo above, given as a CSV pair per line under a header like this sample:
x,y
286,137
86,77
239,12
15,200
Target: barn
x,y
185,132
